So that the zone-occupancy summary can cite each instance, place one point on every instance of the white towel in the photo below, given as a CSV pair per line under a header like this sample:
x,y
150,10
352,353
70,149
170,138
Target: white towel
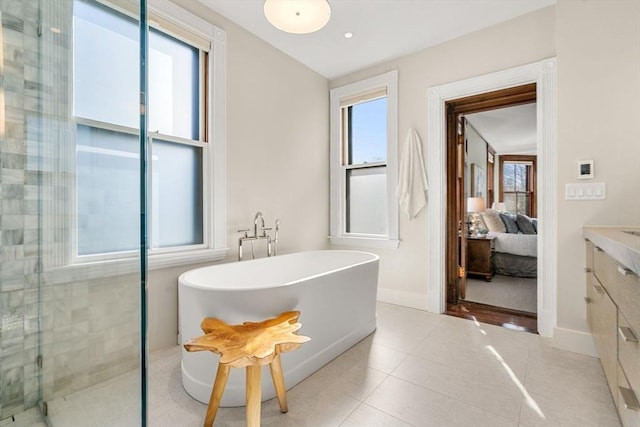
x,y
412,182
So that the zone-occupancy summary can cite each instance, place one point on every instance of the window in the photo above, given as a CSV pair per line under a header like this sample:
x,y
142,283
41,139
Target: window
x,y
184,144
518,183
364,210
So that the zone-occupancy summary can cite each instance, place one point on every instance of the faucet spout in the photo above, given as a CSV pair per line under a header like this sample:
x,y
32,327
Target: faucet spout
x,y
257,216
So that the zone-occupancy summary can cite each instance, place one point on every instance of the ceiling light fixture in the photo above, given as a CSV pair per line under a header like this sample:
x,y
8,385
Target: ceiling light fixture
x,y
297,16
348,35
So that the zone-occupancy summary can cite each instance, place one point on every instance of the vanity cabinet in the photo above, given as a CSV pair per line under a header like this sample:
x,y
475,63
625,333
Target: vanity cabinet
x,y
602,315
628,373
613,314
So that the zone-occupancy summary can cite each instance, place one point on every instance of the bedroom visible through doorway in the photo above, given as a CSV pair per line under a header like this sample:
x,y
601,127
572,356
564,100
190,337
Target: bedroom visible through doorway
x,y
491,207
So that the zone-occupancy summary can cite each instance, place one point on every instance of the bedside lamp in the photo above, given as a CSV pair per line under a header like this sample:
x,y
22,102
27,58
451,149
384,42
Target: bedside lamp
x,y
475,205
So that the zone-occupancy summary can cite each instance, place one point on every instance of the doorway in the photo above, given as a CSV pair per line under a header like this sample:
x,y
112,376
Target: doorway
x,y
544,74
469,250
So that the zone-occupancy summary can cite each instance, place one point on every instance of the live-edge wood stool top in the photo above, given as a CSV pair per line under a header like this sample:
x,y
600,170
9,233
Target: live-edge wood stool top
x,y
250,345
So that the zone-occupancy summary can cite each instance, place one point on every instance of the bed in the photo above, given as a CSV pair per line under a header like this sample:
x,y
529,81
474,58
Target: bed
x,y
515,244
515,254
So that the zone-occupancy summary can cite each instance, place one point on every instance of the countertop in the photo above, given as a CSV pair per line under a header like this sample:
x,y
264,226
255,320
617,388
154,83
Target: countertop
x,y
621,246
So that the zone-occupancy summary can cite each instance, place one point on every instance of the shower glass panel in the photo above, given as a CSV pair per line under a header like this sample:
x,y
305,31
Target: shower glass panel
x,y
72,289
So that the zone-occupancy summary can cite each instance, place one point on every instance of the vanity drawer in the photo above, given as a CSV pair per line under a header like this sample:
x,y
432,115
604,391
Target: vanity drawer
x,y
606,270
622,284
628,297
602,316
627,402
629,351
590,249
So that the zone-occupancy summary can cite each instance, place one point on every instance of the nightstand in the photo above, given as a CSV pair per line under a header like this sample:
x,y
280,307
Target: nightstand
x,y
479,250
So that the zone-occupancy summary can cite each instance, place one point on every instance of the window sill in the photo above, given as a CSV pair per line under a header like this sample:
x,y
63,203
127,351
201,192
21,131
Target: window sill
x,y
368,242
124,266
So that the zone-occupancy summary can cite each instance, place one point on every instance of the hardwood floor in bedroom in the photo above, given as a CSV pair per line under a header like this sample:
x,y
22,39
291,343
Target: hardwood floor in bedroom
x,y
507,318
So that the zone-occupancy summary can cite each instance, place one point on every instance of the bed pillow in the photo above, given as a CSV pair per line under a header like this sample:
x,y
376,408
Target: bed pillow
x,y
493,222
510,223
534,221
525,224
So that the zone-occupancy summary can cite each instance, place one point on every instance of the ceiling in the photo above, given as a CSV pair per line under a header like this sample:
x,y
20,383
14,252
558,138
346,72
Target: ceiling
x,y
382,29
510,130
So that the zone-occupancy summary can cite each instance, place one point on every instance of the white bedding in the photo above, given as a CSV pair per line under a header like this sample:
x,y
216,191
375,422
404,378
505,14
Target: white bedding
x,y
516,244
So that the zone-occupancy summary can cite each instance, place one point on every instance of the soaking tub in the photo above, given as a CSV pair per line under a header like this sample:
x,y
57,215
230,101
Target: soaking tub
x,y
334,290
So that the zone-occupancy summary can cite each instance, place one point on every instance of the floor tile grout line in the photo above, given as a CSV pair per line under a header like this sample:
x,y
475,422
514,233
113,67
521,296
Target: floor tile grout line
x,y
448,395
524,381
379,410
454,398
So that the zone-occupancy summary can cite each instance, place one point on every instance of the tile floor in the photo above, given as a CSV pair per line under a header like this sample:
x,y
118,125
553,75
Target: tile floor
x,y
417,369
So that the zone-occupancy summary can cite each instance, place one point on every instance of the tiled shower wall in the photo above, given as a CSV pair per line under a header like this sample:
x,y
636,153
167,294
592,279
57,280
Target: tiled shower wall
x,y
19,210
85,329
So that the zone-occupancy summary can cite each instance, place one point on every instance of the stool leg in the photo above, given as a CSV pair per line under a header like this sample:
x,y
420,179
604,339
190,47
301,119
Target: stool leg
x,y
278,383
253,395
216,393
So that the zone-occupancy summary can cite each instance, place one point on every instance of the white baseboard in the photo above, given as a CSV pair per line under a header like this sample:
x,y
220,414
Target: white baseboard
x,y
403,298
576,341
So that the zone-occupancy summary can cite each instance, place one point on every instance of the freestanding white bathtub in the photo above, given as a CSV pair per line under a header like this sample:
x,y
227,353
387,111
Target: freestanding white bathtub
x,y
335,291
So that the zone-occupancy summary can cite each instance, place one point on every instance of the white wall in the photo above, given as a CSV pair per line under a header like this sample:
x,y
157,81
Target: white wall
x,y
530,38
277,157
278,137
598,48
598,104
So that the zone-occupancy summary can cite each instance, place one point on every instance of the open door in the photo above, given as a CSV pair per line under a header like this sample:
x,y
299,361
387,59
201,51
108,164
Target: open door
x,y
461,209
456,207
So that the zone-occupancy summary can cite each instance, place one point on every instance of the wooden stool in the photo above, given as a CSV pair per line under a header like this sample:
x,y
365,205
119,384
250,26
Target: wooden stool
x,y
249,345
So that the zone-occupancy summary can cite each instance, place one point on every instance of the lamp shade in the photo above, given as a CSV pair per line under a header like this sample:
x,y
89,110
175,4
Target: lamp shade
x,y
475,204
297,16
499,206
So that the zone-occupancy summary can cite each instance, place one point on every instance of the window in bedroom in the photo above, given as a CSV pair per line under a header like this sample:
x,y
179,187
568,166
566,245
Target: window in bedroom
x,y
106,116
518,184
363,162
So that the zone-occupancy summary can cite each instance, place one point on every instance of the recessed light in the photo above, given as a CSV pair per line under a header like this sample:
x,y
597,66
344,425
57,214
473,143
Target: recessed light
x,y
348,35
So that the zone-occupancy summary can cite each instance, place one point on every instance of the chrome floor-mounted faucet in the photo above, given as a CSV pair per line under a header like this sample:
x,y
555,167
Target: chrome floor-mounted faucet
x,y
259,232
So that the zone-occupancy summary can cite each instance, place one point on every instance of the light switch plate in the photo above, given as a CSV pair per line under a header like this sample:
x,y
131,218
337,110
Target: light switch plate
x,y
585,191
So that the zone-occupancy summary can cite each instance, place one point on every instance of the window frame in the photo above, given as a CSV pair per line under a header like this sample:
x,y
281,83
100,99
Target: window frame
x,y
338,220
165,17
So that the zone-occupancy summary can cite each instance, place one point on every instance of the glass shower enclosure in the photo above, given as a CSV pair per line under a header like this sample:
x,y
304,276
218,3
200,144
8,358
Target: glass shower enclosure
x,y
72,212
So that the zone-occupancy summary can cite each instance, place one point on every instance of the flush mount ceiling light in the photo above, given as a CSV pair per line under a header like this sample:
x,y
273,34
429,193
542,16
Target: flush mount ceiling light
x,y
297,16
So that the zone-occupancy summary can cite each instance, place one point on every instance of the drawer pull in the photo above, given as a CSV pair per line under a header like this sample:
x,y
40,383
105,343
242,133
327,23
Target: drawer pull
x,y
598,289
627,334
624,271
587,300
587,270
629,398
